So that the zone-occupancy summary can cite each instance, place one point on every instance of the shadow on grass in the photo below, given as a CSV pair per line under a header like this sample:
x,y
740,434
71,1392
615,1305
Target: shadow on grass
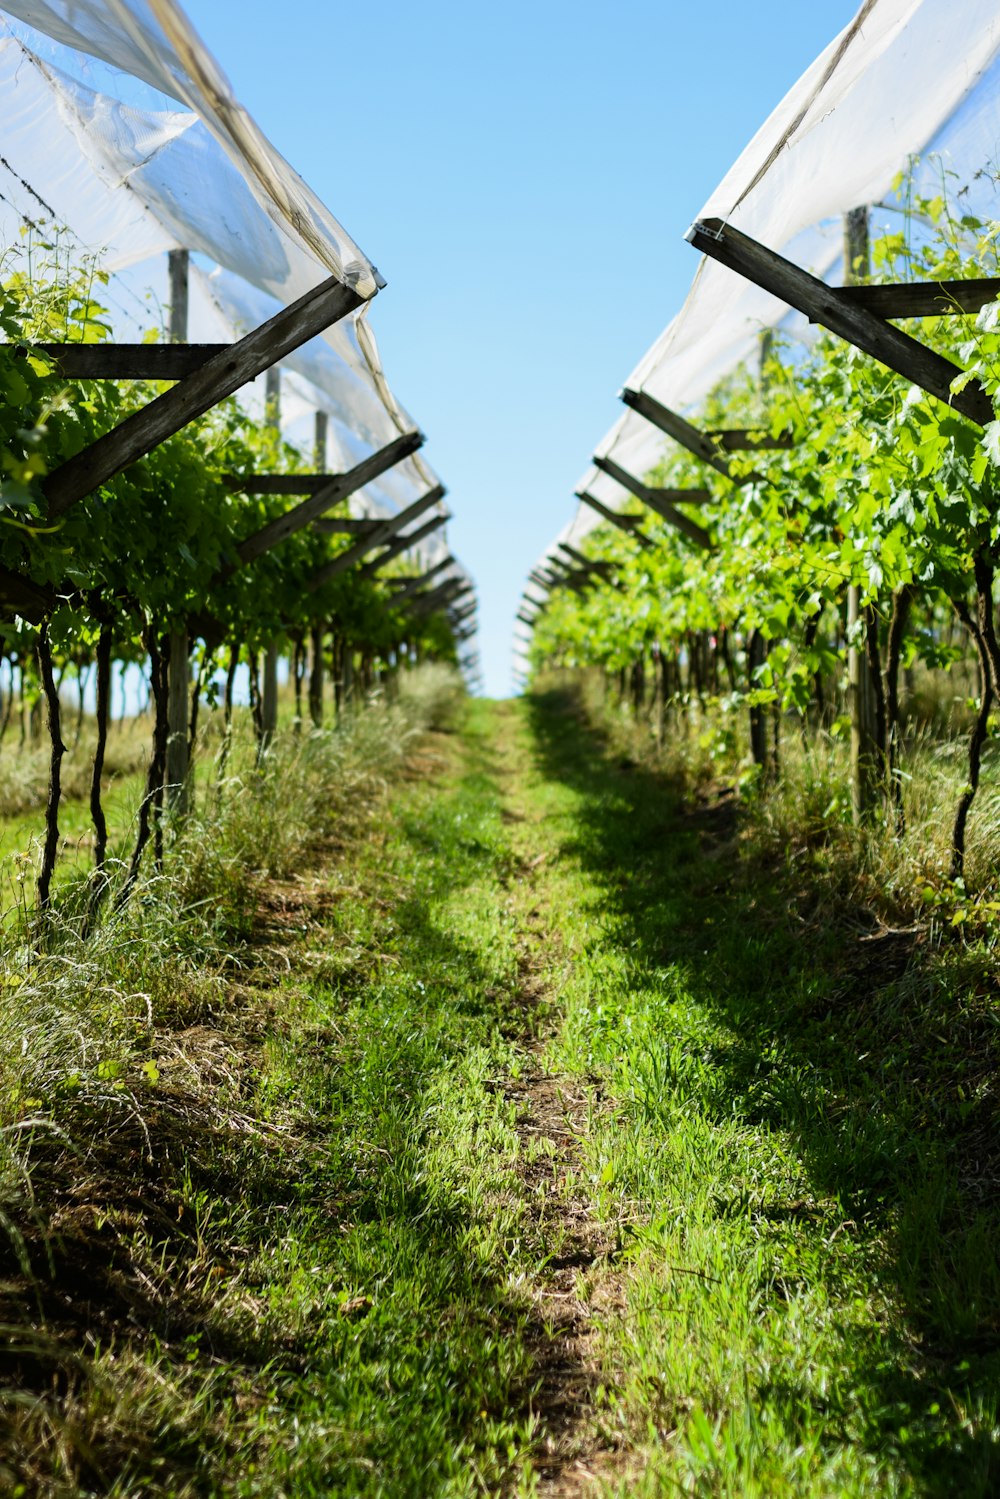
x,y
873,1052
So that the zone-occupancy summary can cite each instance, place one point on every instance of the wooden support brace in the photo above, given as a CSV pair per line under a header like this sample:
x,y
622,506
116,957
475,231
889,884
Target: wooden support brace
x,y
109,361
410,586
438,598
383,532
661,501
904,299
20,596
330,525
403,544
588,562
838,309
602,572
689,436
627,523
191,397
308,484
331,494
749,439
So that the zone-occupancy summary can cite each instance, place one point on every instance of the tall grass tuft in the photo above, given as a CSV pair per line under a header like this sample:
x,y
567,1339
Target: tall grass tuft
x,y
125,1051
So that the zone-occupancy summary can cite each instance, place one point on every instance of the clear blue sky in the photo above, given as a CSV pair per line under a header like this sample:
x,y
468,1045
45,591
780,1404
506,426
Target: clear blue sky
x,y
522,174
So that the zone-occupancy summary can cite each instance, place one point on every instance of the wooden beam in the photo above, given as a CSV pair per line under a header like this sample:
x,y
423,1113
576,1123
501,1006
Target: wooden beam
x,y
660,500
642,490
749,439
594,564
191,397
627,523
923,298
178,271
438,598
849,320
384,530
410,586
690,437
278,483
331,525
403,544
331,494
108,361
20,596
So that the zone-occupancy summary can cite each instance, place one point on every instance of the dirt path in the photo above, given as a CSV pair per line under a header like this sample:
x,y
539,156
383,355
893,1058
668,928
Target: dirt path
x,y
578,1284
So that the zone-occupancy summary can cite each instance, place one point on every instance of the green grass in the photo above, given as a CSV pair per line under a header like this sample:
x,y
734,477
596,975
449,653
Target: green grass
x,y
283,1231
310,1192
798,1146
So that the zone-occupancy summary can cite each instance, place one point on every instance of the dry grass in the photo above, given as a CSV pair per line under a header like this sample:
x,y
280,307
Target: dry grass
x,y
139,1160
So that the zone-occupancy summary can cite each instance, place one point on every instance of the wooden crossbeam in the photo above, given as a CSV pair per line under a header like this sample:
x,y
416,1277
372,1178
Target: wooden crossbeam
x,y
835,309
330,525
191,397
642,490
278,483
403,544
697,442
749,439
337,489
20,596
903,299
438,598
409,586
107,361
588,562
600,570
660,500
383,532
627,523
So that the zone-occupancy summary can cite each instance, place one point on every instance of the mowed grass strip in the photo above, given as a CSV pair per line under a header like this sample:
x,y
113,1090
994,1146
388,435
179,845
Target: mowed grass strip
x,y
793,1135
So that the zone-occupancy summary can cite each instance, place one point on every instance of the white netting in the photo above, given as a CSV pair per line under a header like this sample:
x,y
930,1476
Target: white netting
x,y
906,79
153,40
118,174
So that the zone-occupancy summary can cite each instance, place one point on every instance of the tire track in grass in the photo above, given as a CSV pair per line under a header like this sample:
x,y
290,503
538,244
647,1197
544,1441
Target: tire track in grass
x,y
576,1284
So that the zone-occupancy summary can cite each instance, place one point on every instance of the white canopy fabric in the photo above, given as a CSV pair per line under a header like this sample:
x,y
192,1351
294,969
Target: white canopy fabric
x,y
119,176
906,79
153,40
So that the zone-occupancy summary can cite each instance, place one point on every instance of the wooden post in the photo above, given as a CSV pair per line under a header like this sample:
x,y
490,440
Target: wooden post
x,y
269,686
865,769
321,428
316,672
179,647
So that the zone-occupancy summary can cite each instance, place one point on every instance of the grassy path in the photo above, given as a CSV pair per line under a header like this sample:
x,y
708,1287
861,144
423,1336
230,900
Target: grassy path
x,y
569,1161
767,1227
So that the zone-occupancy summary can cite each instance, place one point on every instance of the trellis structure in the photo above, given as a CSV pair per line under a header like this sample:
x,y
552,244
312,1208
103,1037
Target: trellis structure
x,y
890,95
